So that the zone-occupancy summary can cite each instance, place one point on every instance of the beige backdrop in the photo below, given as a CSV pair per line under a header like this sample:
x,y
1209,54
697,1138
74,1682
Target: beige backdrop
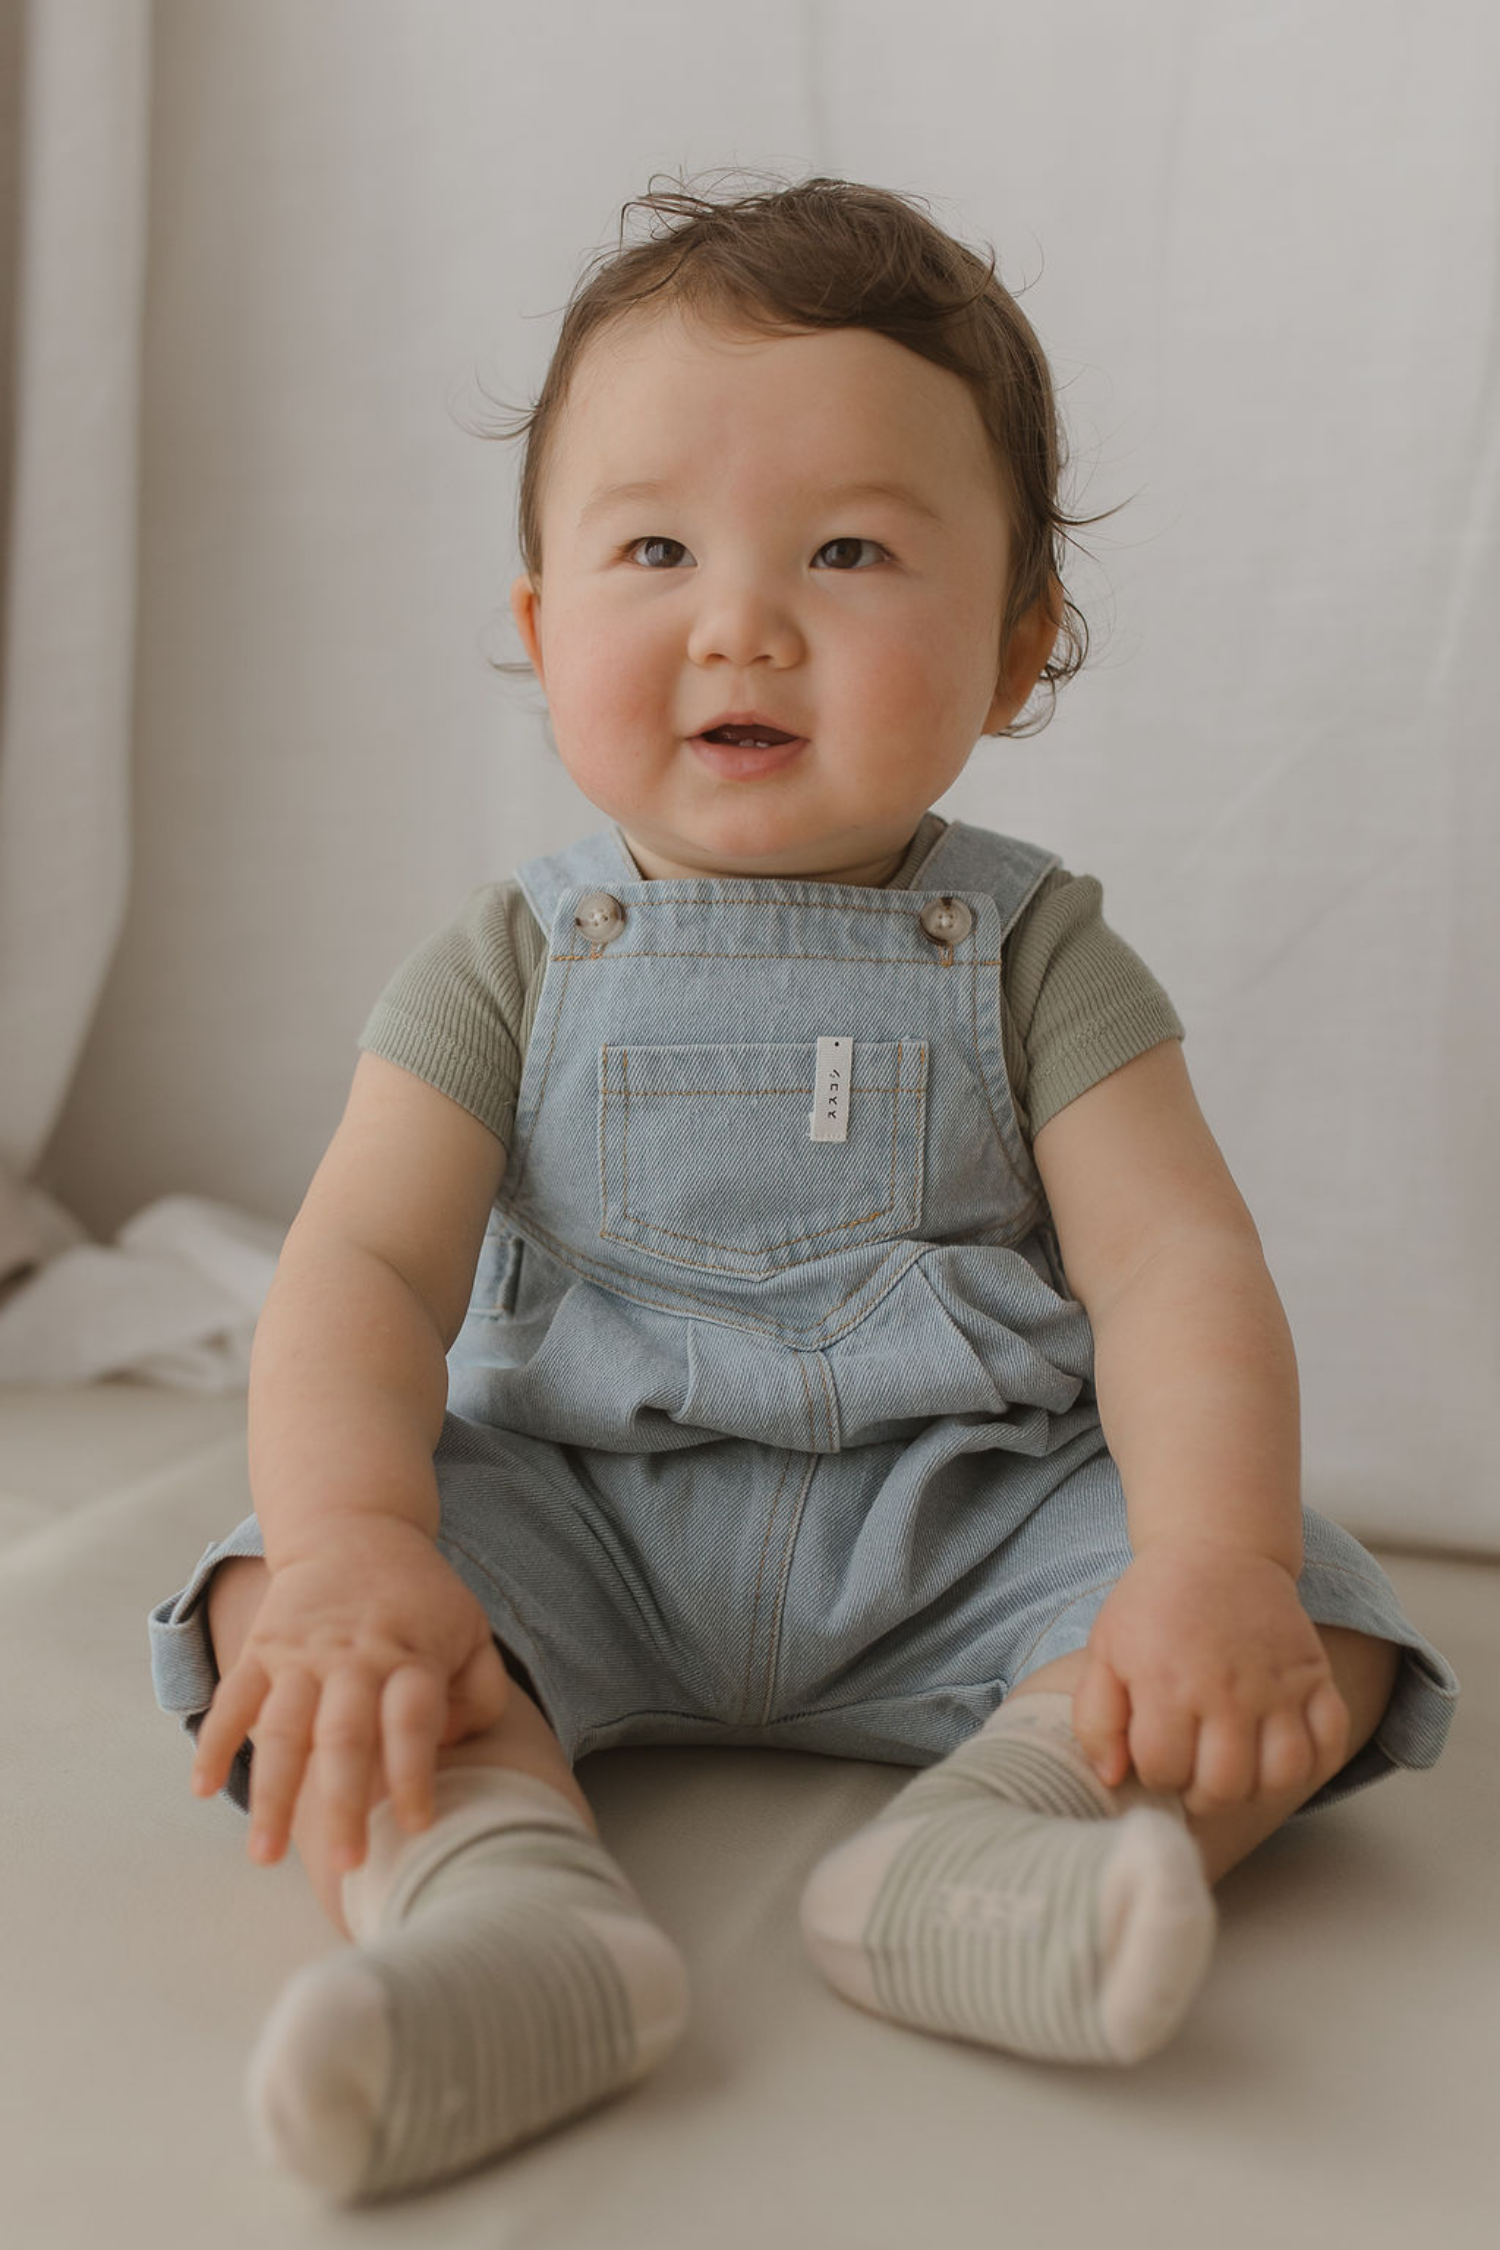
x,y
1260,243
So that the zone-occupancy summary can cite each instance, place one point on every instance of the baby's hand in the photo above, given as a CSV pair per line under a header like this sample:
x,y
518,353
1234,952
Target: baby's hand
x,y
366,1646
1207,1675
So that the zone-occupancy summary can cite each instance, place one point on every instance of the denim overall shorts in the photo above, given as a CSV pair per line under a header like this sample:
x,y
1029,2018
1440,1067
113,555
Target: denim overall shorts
x,y
772,1419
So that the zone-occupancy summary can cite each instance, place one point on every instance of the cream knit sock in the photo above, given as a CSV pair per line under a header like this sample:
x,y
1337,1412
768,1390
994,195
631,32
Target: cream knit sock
x,y
1007,1896
505,1976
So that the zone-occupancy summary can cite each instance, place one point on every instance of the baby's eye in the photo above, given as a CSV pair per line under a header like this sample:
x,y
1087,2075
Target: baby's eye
x,y
653,541
656,540
849,541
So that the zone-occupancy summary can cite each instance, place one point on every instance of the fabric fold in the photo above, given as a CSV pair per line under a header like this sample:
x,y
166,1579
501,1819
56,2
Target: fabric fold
x,y
175,1300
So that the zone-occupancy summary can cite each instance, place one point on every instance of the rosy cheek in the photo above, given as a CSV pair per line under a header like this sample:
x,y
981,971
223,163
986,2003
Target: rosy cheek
x,y
902,692
609,732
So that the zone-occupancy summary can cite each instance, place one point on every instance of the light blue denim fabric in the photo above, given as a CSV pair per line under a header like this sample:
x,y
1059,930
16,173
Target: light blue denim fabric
x,y
755,1438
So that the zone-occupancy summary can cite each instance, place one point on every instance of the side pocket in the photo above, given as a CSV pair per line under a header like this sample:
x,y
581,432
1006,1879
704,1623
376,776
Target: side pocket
x,y
510,1279
497,1277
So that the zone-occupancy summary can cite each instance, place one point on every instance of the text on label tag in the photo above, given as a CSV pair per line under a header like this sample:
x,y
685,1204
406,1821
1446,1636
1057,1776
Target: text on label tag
x,y
829,1115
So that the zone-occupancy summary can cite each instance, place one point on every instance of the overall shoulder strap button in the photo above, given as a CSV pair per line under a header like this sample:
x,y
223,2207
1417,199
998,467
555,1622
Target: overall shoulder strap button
x,y
599,917
947,921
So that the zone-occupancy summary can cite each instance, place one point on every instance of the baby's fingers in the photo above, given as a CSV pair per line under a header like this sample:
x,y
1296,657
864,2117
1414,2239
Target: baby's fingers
x,y
1288,1753
1101,1720
280,1761
227,1721
1301,1747
1226,1765
345,1740
1328,1716
413,1709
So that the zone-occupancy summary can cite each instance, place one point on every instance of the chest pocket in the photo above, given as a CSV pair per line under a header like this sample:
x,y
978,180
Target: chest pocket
x,y
707,1157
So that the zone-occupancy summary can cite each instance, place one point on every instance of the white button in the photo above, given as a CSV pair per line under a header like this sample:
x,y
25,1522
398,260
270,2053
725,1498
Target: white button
x,y
600,917
947,921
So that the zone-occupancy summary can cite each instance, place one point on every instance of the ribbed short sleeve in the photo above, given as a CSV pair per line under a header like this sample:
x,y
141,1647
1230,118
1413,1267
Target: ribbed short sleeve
x,y
1078,1001
458,1010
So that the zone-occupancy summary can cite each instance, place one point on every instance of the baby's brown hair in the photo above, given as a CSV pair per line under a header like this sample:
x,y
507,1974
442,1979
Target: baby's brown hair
x,y
826,253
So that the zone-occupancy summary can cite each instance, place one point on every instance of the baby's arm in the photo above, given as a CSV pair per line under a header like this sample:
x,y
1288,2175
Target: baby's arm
x,y
348,1386
1203,1657
348,1376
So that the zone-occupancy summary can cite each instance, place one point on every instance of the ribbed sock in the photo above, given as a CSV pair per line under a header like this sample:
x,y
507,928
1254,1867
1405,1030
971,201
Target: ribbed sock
x,y
505,1975
1007,1896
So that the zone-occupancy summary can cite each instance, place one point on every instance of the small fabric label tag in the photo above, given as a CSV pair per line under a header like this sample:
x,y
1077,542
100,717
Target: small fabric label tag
x,y
829,1115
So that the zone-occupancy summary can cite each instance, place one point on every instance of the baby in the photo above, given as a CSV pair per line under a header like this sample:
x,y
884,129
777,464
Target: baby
x,y
920,1396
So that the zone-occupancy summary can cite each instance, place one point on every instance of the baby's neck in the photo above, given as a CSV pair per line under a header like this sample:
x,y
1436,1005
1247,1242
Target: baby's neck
x,y
870,874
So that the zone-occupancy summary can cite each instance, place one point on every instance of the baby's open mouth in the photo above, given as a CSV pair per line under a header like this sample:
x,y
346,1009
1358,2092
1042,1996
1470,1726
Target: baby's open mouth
x,y
748,738
741,753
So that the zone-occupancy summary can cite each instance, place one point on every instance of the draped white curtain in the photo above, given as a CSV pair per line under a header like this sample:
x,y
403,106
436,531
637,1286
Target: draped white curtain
x,y
175,1295
1260,239
79,122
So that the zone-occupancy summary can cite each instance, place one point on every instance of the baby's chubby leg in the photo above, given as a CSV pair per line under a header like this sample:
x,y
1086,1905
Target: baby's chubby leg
x,y
505,1974
1007,1895
328,1826
1364,1670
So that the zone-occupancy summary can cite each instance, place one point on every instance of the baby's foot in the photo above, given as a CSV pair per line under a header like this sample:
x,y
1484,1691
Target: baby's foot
x,y
1005,1896
506,1977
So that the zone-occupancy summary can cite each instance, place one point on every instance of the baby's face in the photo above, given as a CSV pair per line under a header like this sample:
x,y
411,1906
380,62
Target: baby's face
x,y
746,580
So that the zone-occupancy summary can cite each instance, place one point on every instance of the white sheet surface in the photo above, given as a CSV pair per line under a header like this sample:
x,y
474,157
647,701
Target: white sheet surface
x,y
1333,2083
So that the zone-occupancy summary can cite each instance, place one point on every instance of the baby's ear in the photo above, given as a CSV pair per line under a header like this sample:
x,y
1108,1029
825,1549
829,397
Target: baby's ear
x,y
525,603
1032,640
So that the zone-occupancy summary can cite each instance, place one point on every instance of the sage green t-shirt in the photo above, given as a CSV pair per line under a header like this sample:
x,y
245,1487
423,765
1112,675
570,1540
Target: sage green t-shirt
x,y
1075,1001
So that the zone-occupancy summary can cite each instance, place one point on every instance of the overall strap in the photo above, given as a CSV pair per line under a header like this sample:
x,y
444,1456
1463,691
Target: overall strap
x,y
964,858
601,861
967,858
